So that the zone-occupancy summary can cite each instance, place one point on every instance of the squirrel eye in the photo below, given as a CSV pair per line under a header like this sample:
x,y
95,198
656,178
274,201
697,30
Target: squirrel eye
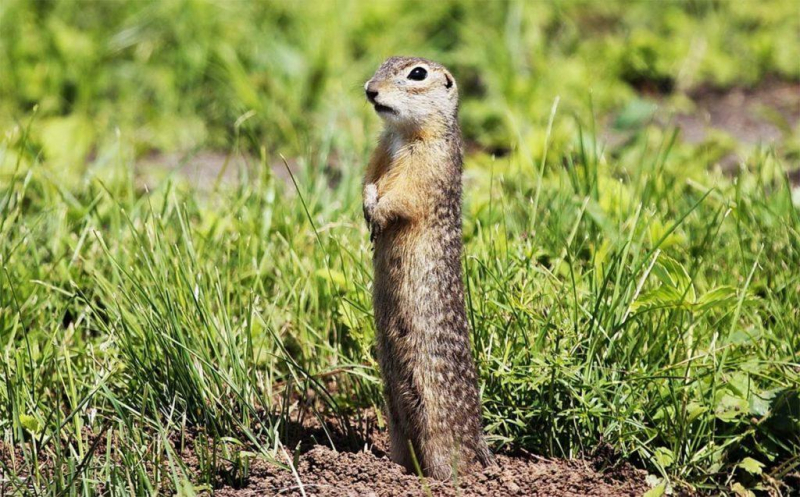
x,y
418,74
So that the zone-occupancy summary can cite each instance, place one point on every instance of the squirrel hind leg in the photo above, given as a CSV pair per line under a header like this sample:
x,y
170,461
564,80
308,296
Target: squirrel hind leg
x,y
443,456
399,434
443,463
400,451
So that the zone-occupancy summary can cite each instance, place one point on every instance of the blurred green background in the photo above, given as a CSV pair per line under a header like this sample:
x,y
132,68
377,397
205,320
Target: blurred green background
x,y
190,74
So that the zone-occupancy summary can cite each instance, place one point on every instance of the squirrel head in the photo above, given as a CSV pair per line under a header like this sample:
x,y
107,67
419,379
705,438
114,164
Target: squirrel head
x,y
413,93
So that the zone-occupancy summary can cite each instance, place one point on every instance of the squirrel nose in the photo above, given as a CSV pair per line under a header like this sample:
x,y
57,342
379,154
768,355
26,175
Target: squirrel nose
x,y
371,94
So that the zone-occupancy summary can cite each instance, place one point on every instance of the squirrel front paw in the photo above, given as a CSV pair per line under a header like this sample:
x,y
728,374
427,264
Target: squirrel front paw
x,y
377,223
371,211
370,199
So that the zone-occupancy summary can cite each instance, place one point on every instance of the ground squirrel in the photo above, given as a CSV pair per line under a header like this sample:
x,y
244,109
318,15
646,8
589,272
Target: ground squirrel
x,y
412,204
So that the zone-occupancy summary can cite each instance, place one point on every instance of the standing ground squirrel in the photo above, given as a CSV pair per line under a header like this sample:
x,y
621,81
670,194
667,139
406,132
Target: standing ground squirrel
x,y
412,203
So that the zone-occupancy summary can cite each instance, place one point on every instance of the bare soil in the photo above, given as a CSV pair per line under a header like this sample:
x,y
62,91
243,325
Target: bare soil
x,y
764,115
325,472
750,115
360,466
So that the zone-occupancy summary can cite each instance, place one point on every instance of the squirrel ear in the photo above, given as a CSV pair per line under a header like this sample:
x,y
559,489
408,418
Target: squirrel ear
x,y
449,83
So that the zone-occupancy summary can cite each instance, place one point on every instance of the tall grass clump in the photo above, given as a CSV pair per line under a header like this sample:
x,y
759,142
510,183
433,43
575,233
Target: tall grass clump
x,y
645,309
172,315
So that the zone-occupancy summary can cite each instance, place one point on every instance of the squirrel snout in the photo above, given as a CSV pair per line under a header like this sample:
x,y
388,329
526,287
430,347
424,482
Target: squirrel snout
x,y
371,94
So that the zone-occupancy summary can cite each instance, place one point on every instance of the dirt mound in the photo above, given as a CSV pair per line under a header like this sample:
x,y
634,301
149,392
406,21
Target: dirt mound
x,y
325,472
361,467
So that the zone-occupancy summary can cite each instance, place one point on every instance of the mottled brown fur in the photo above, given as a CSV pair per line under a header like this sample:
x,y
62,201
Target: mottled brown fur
x,y
431,385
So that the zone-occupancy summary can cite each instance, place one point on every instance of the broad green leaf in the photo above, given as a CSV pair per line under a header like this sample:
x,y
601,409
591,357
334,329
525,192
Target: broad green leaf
x,y
673,274
730,406
739,383
663,296
656,231
694,410
751,466
740,490
719,296
30,423
760,402
656,491
664,457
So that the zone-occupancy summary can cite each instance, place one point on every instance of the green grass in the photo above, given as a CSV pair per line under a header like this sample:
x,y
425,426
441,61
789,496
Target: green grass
x,y
632,297
641,305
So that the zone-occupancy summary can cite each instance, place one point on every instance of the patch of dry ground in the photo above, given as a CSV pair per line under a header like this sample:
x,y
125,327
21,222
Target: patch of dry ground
x,y
360,466
749,115
325,472
764,115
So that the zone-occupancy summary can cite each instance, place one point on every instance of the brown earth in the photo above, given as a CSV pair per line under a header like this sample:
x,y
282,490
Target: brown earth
x,y
750,115
325,472
764,115
360,466
337,461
